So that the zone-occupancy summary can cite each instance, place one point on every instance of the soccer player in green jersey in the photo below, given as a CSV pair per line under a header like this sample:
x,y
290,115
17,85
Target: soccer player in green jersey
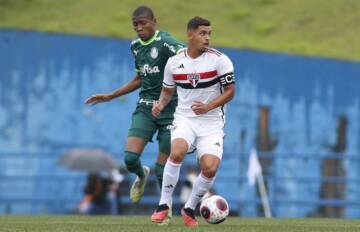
x,y
151,51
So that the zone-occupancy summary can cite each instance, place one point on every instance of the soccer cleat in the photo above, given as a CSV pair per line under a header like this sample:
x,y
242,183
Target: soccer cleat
x,y
160,214
167,220
137,189
188,216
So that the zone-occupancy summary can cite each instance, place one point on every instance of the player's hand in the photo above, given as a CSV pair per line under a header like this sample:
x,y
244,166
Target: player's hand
x,y
98,98
157,108
200,108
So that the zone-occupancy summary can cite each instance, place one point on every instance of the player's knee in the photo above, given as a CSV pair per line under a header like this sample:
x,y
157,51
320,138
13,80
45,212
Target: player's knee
x,y
131,160
176,157
209,171
164,146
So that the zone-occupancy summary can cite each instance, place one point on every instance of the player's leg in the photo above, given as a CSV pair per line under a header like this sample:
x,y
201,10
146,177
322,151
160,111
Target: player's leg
x,y
159,171
179,147
159,167
209,164
133,150
164,152
164,122
182,137
210,153
141,131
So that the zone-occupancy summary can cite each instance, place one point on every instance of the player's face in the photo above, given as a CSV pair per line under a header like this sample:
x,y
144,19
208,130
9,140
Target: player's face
x,y
200,38
144,27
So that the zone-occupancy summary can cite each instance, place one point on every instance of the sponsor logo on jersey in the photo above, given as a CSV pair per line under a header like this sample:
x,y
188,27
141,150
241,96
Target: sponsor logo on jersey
x,y
154,53
181,66
193,79
171,127
171,47
146,69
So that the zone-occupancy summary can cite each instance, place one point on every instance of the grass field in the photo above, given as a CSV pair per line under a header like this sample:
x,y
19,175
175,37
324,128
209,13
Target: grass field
x,y
310,27
129,224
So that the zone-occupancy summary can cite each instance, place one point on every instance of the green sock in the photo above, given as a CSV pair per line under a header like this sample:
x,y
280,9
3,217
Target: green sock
x,y
133,163
159,170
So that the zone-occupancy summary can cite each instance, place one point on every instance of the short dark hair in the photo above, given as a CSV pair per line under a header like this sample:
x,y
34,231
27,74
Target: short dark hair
x,y
196,22
143,11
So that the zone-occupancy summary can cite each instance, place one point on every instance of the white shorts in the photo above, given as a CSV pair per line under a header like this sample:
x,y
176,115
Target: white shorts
x,y
204,135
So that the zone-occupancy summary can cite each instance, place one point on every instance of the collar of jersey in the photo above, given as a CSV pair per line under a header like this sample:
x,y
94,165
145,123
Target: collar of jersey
x,y
187,55
150,40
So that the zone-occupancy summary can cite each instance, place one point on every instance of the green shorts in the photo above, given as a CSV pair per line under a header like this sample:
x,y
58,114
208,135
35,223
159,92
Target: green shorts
x,y
145,125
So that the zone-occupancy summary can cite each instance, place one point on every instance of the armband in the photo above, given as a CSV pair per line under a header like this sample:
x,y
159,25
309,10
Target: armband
x,y
227,79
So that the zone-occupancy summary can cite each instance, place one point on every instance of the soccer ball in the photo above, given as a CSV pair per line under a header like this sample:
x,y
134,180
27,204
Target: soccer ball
x,y
214,209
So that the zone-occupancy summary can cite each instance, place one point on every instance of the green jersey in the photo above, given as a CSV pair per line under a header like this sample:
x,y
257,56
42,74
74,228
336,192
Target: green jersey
x,y
150,60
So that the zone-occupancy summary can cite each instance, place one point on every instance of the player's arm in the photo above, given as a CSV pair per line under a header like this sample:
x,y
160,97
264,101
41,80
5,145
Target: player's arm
x,y
166,92
225,97
227,81
129,87
165,98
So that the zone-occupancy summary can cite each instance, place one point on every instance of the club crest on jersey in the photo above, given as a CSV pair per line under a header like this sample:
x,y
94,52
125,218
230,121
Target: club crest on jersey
x,y
193,79
154,52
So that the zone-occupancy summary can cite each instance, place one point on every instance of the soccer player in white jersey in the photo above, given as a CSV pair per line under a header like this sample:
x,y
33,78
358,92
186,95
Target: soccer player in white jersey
x,y
204,81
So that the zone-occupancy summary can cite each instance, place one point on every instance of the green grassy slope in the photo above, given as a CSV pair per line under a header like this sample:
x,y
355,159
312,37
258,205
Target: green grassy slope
x,y
130,224
311,27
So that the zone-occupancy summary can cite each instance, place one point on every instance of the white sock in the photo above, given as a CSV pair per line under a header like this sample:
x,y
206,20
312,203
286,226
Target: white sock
x,y
201,186
170,179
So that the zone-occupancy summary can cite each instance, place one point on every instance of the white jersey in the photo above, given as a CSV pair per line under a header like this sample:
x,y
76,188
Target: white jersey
x,y
201,79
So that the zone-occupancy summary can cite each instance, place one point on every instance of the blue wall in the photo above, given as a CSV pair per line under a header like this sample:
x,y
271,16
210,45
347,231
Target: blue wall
x,y
306,96
45,78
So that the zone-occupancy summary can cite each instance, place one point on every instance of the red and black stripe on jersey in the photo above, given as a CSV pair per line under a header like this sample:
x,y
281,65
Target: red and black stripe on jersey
x,y
205,79
203,76
196,80
199,85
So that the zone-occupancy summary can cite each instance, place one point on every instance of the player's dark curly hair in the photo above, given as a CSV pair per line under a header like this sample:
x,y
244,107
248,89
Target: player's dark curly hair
x,y
196,22
143,11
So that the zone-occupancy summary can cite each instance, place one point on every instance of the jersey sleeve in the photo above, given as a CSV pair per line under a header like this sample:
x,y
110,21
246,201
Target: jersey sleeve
x,y
173,46
168,81
137,68
225,70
